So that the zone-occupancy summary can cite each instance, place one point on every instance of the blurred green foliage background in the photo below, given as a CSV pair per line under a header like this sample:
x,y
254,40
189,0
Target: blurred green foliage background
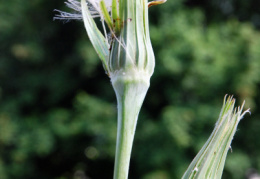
x,y
58,109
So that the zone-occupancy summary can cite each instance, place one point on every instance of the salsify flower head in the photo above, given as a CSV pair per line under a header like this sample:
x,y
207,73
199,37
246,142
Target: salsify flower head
x,y
127,46
210,160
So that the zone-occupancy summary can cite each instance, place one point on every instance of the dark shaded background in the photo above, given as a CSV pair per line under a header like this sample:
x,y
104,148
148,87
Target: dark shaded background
x,y
58,109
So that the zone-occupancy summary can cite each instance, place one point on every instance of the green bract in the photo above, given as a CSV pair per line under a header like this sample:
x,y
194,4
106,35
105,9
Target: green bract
x,y
130,47
96,37
209,162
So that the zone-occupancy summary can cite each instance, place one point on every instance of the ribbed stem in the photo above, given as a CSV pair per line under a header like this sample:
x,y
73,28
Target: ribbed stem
x,y
130,88
131,64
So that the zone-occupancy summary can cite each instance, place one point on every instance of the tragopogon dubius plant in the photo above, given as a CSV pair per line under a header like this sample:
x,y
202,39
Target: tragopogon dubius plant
x,y
126,53
125,50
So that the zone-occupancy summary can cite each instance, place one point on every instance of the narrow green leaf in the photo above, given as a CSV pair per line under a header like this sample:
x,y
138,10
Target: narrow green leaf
x,y
115,17
106,15
96,37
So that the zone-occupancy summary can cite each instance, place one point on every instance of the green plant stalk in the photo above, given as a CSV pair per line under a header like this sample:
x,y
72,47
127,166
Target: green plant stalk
x,y
130,88
131,64
129,61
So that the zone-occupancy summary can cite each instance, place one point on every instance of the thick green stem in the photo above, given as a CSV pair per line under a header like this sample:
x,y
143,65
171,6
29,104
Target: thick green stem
x,y
130,88
131,64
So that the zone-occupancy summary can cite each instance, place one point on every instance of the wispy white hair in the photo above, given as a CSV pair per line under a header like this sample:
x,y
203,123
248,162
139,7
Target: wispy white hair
x,y
75,5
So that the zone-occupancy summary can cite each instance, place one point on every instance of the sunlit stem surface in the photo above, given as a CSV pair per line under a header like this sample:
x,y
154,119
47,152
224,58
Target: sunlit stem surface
x,y
130,90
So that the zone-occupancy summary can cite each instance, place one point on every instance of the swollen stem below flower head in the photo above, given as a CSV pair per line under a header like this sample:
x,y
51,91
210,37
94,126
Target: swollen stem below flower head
x,y
130,91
